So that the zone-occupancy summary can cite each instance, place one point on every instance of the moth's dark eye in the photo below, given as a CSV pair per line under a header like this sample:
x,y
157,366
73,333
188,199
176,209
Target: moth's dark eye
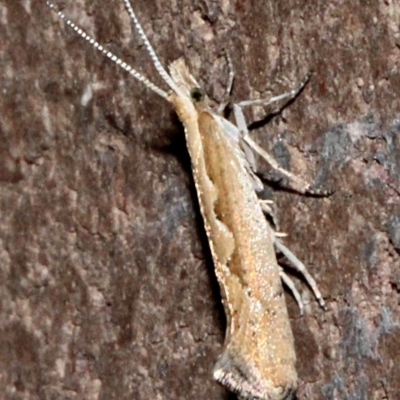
x,y
197,95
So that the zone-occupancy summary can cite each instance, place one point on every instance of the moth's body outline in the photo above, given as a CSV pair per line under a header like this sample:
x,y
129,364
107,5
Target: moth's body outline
x,y
258,360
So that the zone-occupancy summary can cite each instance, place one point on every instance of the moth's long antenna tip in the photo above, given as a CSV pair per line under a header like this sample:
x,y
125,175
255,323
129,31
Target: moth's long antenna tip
x,y
107,53
51,5
156,62
55,9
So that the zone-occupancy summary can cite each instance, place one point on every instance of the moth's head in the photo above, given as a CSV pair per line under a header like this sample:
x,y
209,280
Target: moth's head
x,y
185,81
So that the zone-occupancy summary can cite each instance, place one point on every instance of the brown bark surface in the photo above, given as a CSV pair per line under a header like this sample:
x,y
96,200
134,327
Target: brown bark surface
x,y
106,282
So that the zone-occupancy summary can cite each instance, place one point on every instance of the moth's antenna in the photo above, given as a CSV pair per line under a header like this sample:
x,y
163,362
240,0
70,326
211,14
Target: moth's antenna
x,y
111,56
156,62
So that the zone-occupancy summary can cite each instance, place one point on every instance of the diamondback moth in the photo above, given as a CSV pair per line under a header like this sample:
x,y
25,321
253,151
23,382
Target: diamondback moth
x,y
258,360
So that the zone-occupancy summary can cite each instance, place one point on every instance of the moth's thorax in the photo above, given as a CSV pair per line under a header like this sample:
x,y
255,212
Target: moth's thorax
x,y
184,108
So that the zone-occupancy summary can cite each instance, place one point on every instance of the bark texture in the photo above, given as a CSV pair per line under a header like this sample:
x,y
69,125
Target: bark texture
x,y
107,286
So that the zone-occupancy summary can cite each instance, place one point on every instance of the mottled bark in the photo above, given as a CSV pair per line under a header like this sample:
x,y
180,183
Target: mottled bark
x,y
107,285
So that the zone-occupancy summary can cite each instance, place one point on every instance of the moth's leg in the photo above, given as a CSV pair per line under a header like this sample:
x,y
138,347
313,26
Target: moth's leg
x,y
290,284
300,185
266,207
231,75
280,234
269,100
297,183
303,270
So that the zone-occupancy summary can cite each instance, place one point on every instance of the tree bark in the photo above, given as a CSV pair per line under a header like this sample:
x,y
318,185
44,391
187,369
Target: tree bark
x,y
106,281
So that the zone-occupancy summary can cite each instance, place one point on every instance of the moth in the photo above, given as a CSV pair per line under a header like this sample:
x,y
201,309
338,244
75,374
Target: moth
x,y
258,359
